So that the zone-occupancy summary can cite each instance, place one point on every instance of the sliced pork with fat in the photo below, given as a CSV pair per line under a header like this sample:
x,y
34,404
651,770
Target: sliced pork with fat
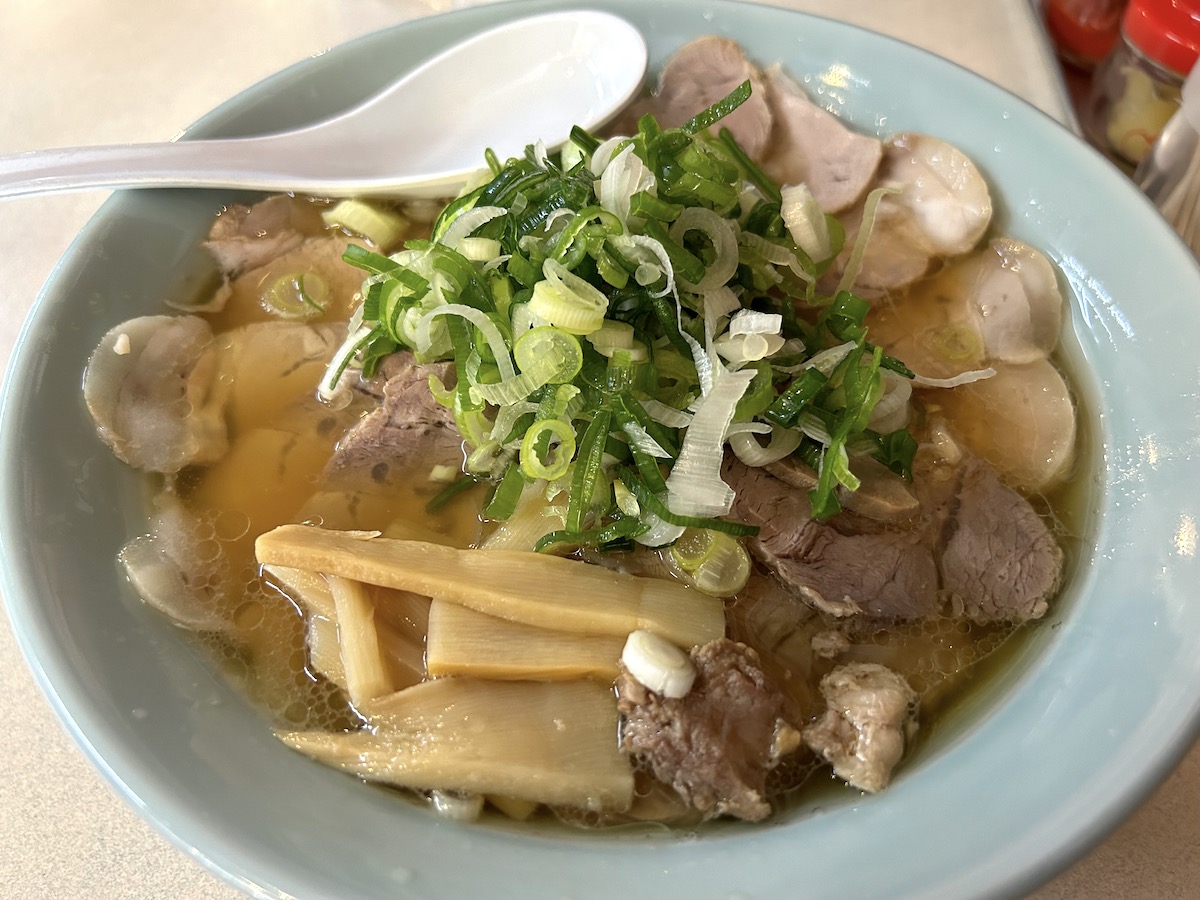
x,y
701,73
813,146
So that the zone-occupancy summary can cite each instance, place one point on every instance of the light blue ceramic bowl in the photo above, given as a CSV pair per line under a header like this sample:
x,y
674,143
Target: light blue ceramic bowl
x,y
1099,705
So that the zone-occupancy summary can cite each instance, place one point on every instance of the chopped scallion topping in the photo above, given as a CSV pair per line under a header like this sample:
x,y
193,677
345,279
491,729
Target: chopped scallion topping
x,y
614,312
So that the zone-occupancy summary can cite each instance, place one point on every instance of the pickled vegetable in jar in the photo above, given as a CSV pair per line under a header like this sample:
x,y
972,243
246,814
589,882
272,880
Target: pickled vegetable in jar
x,y
1136,88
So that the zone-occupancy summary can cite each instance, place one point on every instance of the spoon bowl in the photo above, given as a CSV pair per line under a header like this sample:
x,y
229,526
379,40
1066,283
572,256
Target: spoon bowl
x,y
531,79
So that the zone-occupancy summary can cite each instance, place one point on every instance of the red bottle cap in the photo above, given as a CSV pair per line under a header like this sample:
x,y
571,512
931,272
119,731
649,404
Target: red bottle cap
x,y
1166,31
1084,30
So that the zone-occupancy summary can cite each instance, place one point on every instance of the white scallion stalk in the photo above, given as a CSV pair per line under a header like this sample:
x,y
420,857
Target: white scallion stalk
x,y
744,348
572,154
660,533
479,319
506,420
623,177
751,427
658,664
827,360
666,415
747,448
805,221
720,301
612,335
510,390
603,155
870,210
720,232
382,226
641,440
567,301
694,487
750,321
891,410
479,249
327,390
467,222
626,502
650,254
814,428
959,379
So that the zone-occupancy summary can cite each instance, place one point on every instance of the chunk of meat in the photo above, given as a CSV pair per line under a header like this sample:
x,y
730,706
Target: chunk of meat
x,y
975,540
151,388
886,574
246,237
881,496
1001,304
813,146
716,745
1021,420
705,71
410,432
1000,559
871,713
938,205
319,260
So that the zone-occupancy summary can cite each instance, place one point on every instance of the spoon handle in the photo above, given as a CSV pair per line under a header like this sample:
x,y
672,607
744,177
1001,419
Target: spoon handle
x,y
235,163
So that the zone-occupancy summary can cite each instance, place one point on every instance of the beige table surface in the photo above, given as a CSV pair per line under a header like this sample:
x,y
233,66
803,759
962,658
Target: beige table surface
x,y
93,71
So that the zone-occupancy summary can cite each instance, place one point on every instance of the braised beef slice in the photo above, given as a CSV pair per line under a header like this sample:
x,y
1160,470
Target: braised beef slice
x,y
999,557
716,745
885,574
410,432
976,542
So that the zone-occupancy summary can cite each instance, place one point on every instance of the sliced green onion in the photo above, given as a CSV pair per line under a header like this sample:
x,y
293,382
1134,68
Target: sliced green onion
x,y
719,232
299,295
507,494
719,110
587,469
558,457
449,492
381,225
711,561
551,352
567,301
647,500
619,531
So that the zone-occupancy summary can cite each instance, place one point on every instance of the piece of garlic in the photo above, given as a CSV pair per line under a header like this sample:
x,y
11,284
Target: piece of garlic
x,y
658,664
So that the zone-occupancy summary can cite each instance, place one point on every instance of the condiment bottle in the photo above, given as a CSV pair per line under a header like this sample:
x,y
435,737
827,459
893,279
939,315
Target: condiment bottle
x,y
1135,90
1083,31
1170,174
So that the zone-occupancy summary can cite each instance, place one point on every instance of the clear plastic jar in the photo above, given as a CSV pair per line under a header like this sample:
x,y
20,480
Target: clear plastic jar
x,y
1135,90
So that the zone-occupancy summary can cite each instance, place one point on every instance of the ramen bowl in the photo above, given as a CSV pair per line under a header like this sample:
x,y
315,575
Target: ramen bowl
x,y
1088,713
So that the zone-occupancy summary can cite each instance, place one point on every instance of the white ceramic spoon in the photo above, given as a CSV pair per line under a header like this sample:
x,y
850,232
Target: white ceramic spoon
x,y
528,80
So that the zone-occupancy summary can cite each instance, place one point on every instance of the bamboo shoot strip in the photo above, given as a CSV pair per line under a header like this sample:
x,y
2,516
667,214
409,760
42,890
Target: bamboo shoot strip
x,y
541,742
307,589
465,642
362,661
545,591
